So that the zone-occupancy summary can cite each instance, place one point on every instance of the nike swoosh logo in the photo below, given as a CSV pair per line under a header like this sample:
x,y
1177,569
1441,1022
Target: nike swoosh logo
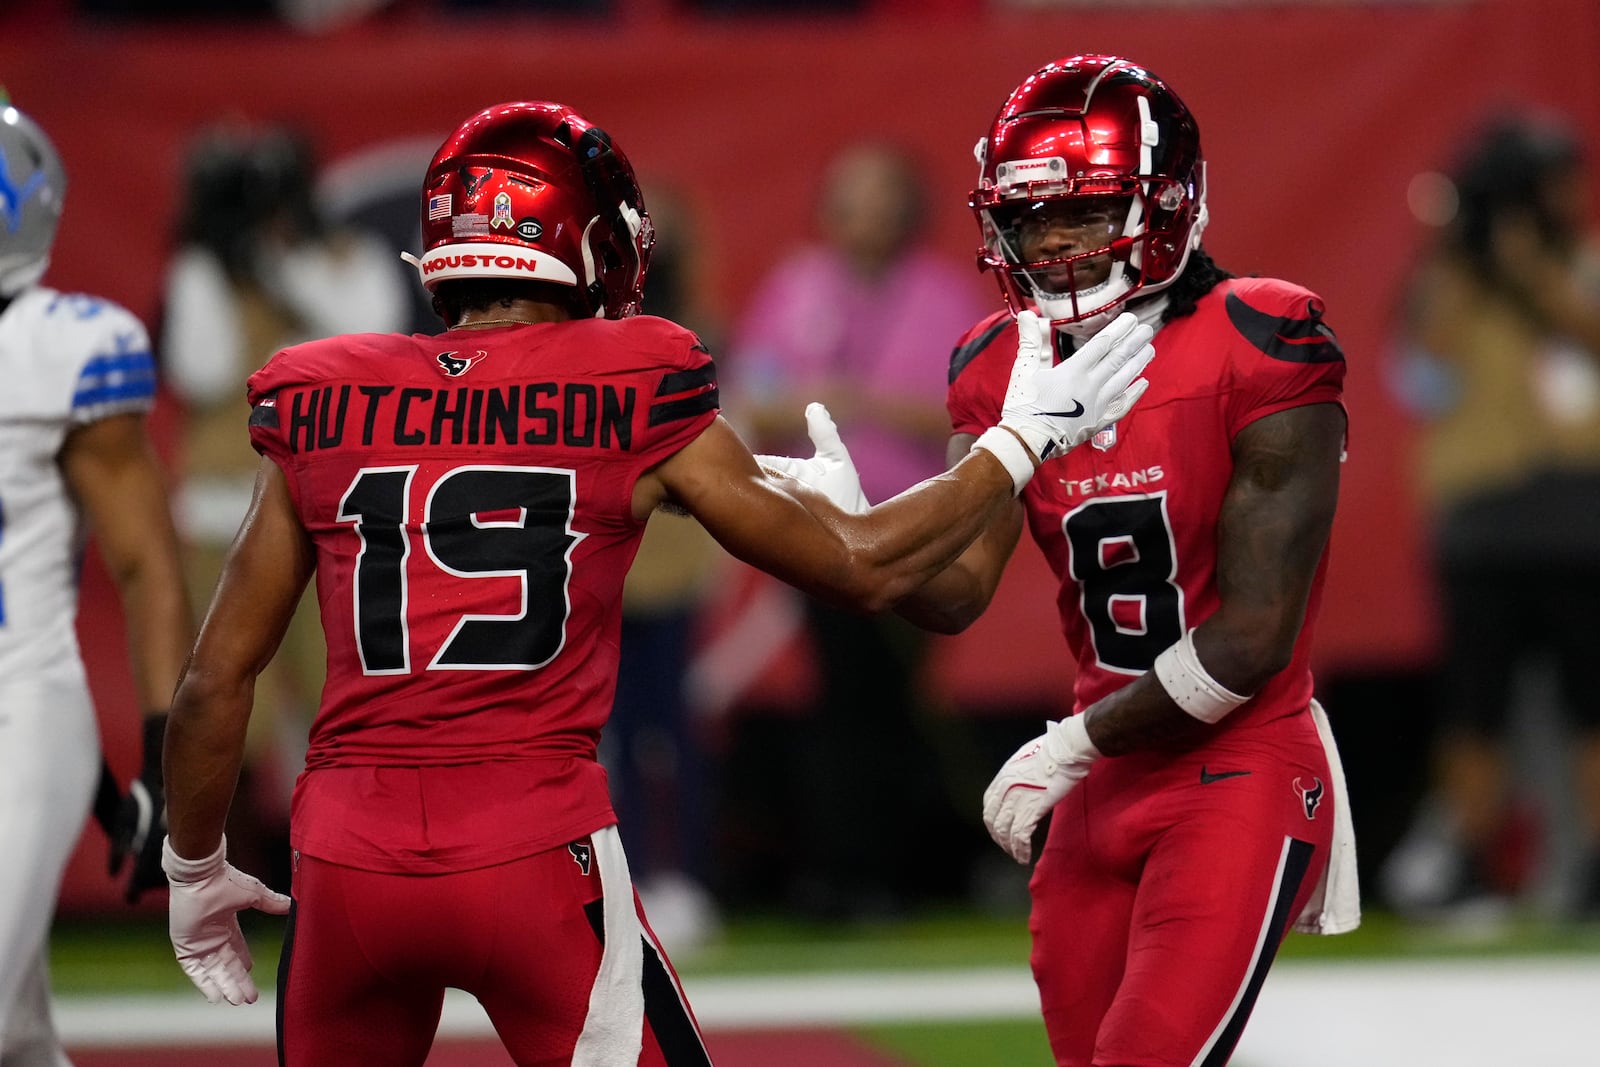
x,y
1206,778
1077,409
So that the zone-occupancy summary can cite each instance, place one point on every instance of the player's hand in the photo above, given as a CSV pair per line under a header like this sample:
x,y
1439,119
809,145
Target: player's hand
x,y
1033,781
107,806
830,470
1056,406
141,819
203,919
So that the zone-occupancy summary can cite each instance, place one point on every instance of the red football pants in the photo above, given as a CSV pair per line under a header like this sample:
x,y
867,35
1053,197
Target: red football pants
x,y
368,956
1164,889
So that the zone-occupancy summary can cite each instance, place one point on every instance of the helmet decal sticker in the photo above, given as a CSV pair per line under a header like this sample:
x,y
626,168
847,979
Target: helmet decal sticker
x,y
471,224
473,182
538,193
12,197
502,212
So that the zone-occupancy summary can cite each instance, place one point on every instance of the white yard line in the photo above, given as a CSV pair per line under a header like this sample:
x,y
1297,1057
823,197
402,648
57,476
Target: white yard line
x,y
1464,1013
720,1003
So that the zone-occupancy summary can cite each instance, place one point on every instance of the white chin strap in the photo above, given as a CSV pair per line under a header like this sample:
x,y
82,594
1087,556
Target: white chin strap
x,y
1085,328
1111,293
1148,310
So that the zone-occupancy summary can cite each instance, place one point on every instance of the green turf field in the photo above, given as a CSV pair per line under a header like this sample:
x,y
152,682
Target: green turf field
x,y
133,956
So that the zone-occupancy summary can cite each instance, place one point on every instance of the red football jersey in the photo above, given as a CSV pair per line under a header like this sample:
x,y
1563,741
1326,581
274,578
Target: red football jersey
x,y
1129,521
470,499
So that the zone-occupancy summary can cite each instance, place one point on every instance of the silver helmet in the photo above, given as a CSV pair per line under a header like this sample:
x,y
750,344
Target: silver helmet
x,y
33,185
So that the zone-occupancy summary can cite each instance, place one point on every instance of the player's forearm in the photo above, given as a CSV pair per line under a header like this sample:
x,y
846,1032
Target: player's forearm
x,y
204,751
115,474
1140,716
954,598
1238,657
160,629
899,546
947,603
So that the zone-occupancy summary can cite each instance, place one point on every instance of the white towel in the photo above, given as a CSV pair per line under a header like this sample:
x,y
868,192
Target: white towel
x,y
613,1033
1335,905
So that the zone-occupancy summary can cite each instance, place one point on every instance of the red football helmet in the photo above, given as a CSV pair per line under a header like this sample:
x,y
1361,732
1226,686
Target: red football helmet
x,y
1106,145
532,190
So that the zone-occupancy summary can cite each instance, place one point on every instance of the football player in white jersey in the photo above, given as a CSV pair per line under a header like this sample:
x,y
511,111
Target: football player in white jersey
x,y
78,380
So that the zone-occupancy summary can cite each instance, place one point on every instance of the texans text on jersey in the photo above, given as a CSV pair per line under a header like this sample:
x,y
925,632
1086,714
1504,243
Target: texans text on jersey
x,y
1101,483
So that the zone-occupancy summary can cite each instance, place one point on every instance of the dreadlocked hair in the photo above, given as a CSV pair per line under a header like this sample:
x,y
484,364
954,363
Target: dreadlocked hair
x,y
1199,277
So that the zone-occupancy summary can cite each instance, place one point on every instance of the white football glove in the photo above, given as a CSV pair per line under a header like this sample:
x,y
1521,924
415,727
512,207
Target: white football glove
x,y
1056,407
830,471
1033,781
203,919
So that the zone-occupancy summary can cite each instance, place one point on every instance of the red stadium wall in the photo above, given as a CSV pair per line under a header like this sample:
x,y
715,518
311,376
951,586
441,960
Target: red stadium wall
x,y
1314,119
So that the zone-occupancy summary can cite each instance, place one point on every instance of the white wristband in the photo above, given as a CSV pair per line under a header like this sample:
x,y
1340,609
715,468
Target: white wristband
x,y
1191,687
1004,445
1072,734
183,871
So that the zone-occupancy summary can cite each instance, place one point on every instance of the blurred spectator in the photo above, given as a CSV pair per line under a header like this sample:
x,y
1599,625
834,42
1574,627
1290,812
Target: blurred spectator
x,y
857,321
256,269
1501,340
654,748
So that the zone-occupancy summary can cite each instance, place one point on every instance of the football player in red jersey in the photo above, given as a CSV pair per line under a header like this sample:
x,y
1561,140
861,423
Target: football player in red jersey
x,y
469,505
1196,792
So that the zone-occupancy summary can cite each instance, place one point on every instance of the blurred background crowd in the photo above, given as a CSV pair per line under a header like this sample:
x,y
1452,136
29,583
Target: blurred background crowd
x,y
246,180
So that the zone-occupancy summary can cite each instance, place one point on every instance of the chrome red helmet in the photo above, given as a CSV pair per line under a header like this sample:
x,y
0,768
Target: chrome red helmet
x,y
532,190
1093,138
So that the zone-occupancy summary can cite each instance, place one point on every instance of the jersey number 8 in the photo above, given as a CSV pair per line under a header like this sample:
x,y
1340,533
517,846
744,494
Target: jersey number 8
x,y
1124,561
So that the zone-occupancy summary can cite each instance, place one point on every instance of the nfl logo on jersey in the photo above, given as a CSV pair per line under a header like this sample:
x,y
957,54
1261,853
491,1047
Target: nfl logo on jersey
x,y
1104,439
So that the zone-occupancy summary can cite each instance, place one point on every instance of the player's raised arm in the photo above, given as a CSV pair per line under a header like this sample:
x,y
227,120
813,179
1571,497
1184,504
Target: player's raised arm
x,y
872,560
865,561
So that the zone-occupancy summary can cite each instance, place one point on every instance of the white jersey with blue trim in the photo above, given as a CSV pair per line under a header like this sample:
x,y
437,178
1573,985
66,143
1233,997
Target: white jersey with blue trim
x,y
66,360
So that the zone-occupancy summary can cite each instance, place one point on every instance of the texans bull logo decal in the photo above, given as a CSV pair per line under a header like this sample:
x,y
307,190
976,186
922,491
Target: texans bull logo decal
x,y
455,364
1310,795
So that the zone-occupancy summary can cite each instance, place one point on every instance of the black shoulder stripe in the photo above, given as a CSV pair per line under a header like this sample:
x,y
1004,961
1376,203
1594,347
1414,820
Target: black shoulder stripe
x,y
966,353
700,382
684,408
265,413
1292,340
685,381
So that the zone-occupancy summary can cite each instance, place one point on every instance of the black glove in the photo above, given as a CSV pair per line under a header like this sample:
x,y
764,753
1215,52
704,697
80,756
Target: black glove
x,y
141,822
108,804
